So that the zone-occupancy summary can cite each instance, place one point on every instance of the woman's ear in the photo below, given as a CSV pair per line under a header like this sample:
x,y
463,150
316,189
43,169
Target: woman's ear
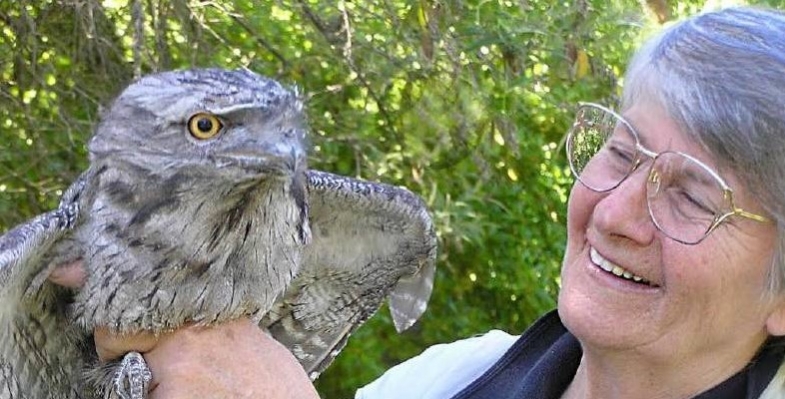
x,y
775,324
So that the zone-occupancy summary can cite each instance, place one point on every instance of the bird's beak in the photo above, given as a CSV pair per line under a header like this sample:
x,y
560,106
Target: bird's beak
x,y
283,158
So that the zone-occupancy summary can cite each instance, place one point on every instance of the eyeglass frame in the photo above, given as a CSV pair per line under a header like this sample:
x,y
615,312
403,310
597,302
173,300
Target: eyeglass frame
x,y
719,218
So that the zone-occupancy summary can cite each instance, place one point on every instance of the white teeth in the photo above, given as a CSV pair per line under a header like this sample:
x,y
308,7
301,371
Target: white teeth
x,y
616,270
600,261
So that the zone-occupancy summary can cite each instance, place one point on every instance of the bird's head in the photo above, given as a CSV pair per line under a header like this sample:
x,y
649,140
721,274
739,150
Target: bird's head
x,y
204,121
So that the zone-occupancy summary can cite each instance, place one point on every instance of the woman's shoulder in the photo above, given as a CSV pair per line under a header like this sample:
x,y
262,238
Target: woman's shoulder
x,y
442,370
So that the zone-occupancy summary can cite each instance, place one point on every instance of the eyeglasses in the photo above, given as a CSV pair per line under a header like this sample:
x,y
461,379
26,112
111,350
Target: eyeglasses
x,y
686,199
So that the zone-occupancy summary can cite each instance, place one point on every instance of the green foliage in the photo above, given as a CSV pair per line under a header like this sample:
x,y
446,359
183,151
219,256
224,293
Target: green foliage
x,y
464,102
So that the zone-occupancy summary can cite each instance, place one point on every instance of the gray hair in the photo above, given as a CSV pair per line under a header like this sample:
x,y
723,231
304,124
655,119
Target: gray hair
x,y
721,77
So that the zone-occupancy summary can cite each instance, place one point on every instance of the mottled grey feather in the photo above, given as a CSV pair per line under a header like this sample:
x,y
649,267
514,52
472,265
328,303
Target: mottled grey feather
x,y
38,353
176,228
368,238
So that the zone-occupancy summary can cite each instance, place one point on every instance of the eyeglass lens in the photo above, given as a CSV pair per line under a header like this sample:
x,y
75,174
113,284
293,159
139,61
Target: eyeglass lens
x,y
684,199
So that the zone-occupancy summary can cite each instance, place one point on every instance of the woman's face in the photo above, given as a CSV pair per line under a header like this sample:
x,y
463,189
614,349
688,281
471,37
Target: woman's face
x,y
705,302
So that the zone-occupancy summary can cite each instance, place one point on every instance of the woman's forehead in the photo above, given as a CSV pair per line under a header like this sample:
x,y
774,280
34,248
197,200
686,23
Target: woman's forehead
x,y
658,132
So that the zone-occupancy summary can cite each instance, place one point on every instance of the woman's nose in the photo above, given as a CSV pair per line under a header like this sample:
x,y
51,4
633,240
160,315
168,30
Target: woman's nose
x,y
624,212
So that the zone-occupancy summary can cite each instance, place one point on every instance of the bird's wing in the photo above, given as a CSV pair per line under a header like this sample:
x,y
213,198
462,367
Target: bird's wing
x,y
32,356
25,249
370,241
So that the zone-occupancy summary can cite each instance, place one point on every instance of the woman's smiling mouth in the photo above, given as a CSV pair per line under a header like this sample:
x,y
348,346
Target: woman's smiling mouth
x,y
615,269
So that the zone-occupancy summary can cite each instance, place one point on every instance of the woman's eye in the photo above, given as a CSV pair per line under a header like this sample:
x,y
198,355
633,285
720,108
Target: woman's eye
x,y
621,154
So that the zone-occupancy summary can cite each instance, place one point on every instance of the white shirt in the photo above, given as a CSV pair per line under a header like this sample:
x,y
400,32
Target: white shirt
x,y
441,371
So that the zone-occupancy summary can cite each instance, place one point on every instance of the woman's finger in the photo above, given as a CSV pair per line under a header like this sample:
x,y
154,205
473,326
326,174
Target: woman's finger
x,y
112,346
72,275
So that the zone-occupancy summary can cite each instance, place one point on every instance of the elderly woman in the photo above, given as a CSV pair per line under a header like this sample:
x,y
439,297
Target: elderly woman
x,y
673,282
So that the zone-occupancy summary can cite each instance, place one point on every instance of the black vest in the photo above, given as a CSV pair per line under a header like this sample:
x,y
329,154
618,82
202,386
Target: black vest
x,y
542,363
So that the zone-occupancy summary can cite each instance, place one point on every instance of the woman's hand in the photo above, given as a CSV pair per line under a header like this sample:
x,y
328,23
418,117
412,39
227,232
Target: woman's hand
x,y
232,360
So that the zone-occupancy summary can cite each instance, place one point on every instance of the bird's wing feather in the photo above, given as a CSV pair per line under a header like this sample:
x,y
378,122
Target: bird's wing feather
x,y
33,356
24,248
370,241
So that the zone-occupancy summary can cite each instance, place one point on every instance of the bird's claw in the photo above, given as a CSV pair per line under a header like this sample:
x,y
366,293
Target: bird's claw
x,y
132,378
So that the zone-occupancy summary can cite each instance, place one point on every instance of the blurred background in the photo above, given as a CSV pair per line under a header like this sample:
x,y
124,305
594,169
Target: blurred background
x,y
465,102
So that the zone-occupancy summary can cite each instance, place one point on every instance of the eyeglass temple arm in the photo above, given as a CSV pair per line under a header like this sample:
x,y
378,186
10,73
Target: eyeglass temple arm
x,y
749,215
741,212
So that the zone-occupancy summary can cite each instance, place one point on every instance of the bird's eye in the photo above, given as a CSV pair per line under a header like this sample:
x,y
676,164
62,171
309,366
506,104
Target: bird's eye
x,y
204,126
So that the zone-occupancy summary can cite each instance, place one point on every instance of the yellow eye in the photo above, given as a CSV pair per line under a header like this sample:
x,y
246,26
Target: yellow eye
x,y
204,126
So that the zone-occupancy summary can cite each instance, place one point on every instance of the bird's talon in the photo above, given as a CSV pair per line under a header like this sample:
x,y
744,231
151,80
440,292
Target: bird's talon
x,y
132,378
